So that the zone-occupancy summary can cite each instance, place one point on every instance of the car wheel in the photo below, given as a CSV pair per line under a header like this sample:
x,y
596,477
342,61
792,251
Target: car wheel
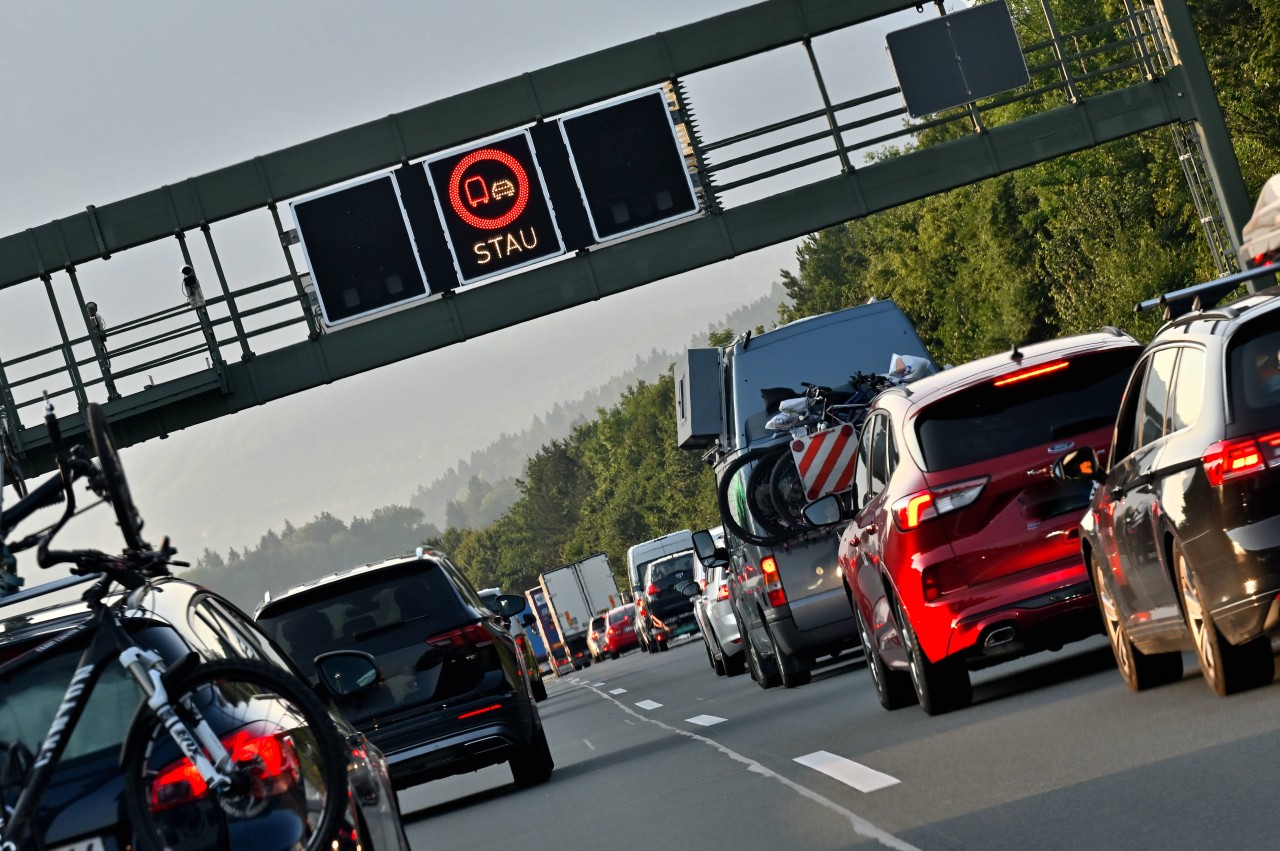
x,y
941,686
532,763
791,671
735,665
765,674
711,658
1139,670
663,646
539,690
614,655
893,688
1227,668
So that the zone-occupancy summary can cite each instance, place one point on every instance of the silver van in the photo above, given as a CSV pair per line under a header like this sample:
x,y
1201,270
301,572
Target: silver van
x,y
785,583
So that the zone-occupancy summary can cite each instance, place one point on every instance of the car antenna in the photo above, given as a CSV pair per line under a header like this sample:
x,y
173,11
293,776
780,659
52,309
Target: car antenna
x,y
1015,355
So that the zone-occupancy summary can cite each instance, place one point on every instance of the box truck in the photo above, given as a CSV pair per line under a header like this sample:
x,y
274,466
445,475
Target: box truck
x,y
575,593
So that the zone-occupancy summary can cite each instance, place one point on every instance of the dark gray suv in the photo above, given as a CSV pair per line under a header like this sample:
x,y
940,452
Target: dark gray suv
x,y
417,661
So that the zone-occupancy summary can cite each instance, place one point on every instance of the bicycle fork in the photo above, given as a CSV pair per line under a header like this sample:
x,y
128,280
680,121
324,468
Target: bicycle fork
x,y
146,667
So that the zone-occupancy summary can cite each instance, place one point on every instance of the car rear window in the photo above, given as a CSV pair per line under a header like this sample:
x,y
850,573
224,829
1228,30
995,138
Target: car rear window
x,y
622,615
1253,364
988,420
663,569
361,611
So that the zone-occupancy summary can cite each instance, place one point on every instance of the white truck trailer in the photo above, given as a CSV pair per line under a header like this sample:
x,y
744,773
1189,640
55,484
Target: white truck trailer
x,y
575,593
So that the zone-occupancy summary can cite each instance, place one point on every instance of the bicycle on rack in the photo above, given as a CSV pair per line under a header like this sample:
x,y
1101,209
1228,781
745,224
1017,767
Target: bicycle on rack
x,y
222,753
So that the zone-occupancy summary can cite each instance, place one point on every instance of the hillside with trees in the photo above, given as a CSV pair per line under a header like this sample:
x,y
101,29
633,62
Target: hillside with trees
x,y
1058,248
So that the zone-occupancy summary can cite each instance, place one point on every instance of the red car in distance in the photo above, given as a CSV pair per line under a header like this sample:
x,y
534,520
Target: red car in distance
x,y
620,631
963,550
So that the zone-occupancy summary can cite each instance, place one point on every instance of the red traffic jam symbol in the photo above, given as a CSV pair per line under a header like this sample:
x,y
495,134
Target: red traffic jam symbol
x,y
488,189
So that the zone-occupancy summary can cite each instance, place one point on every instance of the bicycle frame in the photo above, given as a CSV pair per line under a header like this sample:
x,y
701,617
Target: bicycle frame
x,y
110,642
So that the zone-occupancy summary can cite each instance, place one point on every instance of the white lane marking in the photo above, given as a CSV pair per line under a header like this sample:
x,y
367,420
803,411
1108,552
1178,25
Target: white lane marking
x,y
705,720
648,704
860,825
847,771
618,691
596,685
588,744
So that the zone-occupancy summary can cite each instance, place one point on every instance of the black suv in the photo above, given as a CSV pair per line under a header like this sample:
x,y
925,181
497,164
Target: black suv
x,y
83,808
1182,537
419,663
667,608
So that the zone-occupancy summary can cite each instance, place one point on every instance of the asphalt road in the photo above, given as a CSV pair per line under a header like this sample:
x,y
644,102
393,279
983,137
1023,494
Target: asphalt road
x,y
655,751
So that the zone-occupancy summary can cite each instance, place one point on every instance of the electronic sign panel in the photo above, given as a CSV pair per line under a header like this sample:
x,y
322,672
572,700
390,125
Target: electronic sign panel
x,y
494,206
629,166
357,245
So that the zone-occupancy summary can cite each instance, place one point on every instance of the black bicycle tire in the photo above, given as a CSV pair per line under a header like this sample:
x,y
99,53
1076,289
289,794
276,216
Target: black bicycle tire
x,y
762,498
784,466
117,487
722,501
325,743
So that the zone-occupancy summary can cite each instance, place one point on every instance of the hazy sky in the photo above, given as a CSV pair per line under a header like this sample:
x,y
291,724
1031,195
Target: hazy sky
x,y
101,101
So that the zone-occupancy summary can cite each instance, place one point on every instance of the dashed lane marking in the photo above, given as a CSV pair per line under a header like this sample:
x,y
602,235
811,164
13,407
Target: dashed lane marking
x,y
588,744
597,685
648,704
705,720
859,824
847,771
618,691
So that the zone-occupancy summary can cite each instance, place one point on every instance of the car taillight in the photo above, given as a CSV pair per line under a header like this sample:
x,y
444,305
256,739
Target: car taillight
x,y
912,510
275,769
773,582
929,582
1235,459
610,631
722,591
1031,372
471,635
652,589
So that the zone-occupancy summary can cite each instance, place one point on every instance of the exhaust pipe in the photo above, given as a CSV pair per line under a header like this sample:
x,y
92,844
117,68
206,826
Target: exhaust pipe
x,y
997,637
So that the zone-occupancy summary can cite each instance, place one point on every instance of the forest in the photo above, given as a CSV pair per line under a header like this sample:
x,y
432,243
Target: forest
x,y
1058,248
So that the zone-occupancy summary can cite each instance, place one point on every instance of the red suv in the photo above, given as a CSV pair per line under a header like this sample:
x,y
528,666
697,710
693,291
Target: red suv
x,y
963,549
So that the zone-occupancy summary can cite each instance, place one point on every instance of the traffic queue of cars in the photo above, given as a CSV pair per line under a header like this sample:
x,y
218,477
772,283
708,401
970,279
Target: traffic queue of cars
x,y
1080,485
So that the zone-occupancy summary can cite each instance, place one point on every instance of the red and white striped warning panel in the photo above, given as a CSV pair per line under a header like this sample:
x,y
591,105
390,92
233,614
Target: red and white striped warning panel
x,y
825,460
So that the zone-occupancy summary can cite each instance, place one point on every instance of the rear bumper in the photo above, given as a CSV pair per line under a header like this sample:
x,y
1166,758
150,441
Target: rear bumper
x,y
824,640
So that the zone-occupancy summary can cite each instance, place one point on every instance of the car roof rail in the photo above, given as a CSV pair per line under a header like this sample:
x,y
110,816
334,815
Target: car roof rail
x,y
1202,296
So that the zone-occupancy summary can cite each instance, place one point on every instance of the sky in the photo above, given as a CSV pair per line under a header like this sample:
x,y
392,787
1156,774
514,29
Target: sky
x,y
99,102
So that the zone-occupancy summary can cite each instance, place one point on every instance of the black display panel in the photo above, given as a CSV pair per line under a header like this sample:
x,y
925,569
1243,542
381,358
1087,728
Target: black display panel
x,y
358,249
629,166
494,206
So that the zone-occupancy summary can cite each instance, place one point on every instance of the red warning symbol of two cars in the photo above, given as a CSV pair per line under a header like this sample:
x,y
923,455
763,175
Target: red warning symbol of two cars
x,y
488,189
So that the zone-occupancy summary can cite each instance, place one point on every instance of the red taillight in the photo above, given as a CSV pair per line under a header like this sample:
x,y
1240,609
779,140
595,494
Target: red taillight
x,y
1032,372
652,590
772,582
471,635
912,510
610,631
475,712
929,581
1235,459
275,769
722,592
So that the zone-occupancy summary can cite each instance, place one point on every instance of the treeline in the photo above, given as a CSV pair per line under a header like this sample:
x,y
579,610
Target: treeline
x,y
1062,247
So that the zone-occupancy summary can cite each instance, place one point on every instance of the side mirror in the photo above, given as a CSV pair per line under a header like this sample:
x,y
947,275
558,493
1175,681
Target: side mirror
x,y
689,588
1079,464
708,553
509,605
826,511
345,672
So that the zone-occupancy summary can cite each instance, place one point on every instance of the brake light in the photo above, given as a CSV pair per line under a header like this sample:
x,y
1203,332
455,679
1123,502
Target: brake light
x,y
929,581
912,510
471,635
475,712
1235,459
273,755
610,632
652,589
1032,372
772,581
722,592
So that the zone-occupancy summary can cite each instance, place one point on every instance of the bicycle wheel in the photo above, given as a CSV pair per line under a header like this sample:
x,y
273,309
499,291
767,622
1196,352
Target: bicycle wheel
x,y
289,769
772,536
787,491
117,488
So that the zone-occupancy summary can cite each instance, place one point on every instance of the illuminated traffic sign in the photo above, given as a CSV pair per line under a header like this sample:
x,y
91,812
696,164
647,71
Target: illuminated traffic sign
x,y
629,164
494,206
357,245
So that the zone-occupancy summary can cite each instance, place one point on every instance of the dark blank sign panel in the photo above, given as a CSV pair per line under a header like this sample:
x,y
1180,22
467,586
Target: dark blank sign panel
x,y
357,246
494,207
628,163
957,58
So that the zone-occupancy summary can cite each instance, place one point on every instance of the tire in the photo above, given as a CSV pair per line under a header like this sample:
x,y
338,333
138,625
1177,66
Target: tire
x,y
787,490
531,764
663,646
299,805
893,688
711,658
1227,668
792,673
941,686
539,689
773,534
115,487
765,674
1140,670
735,665
614,655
